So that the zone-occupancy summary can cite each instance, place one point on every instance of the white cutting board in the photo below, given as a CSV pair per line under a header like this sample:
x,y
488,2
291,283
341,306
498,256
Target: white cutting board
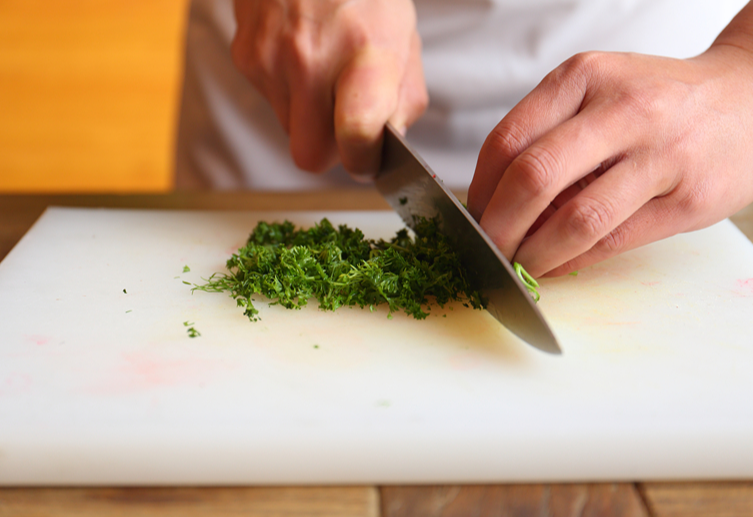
x,y
656,380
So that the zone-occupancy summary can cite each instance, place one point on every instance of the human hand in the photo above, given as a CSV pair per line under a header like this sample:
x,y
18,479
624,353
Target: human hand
x,y
334,71
614,151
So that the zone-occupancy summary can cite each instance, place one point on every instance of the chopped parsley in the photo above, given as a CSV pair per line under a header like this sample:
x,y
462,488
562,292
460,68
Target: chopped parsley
x,y
340,267
186,269
192,332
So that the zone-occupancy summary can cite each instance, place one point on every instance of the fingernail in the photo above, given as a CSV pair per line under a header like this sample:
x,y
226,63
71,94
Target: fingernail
x,y
363,177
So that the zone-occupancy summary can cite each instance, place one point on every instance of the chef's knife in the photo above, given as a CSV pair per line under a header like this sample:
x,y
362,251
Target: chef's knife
x,y
412,189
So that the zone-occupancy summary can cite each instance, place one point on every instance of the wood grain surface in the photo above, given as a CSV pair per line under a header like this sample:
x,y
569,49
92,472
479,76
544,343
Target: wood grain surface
x,y
719,499
699,499
89,93
190,502
559,500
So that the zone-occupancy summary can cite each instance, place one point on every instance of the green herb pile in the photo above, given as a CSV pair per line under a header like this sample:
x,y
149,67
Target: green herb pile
x,y
339,267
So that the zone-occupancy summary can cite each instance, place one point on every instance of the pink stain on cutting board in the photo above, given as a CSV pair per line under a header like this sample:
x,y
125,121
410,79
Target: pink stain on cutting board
x,y
228,252
744,287
15,384
37,340
142,371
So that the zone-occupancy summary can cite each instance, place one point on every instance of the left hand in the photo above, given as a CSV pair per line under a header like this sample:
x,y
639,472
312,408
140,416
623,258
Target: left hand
x,y
614,151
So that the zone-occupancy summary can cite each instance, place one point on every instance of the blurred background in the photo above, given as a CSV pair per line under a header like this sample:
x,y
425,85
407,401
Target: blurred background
x,y
89,94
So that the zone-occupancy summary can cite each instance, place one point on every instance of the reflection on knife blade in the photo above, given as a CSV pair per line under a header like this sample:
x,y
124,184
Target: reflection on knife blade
x,y
412,190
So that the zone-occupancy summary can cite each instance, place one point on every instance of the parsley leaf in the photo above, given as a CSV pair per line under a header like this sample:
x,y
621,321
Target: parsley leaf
x,y
340,267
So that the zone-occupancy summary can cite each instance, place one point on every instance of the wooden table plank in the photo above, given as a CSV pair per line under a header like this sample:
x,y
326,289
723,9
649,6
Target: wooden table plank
x,y
732,499
558,500
190,502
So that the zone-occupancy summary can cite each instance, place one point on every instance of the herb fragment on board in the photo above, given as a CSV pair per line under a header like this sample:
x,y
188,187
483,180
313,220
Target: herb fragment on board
x,y
124,291
529,282
192,332
340,267
186,269
573,273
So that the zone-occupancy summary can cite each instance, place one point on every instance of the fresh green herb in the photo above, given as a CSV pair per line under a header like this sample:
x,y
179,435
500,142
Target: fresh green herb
x,y
129,310
186,269
316,346
528,281
573,273
339,267
192,332
187,283
124,291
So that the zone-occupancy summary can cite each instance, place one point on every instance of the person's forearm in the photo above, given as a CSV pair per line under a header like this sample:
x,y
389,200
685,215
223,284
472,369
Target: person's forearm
x,y
739,32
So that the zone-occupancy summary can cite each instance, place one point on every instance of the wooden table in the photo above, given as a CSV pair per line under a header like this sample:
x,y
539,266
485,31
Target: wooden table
x,y
687,499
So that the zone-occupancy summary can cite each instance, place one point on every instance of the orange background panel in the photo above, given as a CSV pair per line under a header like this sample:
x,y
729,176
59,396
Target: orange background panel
x,y
89,91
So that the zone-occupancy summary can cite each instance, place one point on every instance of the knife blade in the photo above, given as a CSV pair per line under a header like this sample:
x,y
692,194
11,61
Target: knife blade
x,y
412,189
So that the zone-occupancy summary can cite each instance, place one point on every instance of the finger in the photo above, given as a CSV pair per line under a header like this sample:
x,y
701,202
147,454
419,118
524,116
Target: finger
x,y
366,96
656,220
254,51
312,142
563,197
589,216
413,98
535,178
556,99
277,93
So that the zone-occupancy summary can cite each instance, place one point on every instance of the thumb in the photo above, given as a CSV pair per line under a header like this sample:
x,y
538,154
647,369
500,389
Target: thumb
x,y
366,96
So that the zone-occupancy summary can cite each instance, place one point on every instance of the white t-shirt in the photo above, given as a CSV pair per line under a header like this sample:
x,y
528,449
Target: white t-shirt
x,y
480,58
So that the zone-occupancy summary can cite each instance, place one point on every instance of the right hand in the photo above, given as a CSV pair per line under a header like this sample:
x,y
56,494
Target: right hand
x,y
334,71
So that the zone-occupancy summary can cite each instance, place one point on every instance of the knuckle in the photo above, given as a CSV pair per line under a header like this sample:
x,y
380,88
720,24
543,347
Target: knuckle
x,y
538,170
692,201
507,140
613,243
358,33
588,219
655,102
576,68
